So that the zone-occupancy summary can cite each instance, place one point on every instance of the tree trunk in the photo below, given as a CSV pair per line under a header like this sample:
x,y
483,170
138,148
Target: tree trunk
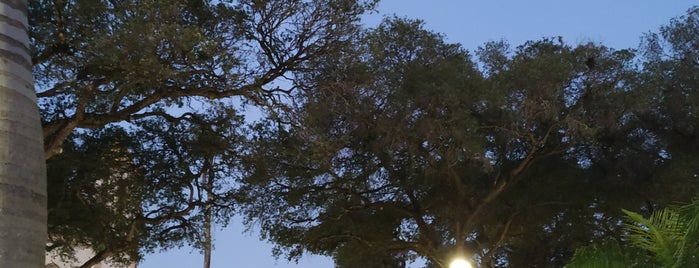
x,y
207,238
208,183
22,167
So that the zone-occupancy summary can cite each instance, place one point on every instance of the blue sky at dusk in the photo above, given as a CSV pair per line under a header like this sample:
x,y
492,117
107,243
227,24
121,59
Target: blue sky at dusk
x,y
615,23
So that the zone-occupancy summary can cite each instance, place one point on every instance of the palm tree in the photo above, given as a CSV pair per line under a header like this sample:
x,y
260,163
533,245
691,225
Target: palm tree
x,y
668,238
22,170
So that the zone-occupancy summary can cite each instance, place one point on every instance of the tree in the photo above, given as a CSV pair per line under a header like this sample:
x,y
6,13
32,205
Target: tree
x,y
101,62
665,114
670,88
145,73
22,175
407,148
142,190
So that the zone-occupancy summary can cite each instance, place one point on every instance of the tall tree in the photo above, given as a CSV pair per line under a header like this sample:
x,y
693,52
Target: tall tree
x,y
406,148
22,167
144,73
142,190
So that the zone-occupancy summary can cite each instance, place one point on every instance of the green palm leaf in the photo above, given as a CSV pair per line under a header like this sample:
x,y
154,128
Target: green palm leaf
x,y
688,251
658,235
668,238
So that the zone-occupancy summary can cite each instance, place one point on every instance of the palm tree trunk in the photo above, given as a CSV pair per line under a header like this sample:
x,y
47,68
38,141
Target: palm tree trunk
x,y
22,166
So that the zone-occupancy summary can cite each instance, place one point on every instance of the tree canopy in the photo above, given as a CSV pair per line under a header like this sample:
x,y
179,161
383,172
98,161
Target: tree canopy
x,y
376,146
138,104
407,146
100,62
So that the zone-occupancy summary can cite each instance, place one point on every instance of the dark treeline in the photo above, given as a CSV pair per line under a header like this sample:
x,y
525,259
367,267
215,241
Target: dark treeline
x,y
376,146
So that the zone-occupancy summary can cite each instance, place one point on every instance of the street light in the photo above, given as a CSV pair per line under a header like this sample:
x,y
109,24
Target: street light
x,y
460,263
459,260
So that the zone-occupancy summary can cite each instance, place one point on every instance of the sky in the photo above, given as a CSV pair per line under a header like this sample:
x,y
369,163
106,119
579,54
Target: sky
x,y
615,23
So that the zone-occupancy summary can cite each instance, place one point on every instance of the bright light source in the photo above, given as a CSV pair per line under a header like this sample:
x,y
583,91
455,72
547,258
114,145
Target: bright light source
x,y
460,263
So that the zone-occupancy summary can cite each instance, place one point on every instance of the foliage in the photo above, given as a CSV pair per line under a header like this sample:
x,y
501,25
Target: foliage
x,y
407,148
669,85
379,146
666,239
666,90
141,189
609,255
76,213
99,62
138,103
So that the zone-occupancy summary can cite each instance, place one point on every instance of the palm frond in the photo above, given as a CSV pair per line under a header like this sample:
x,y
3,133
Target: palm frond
x,y
688,251
657,235
600,256
668,238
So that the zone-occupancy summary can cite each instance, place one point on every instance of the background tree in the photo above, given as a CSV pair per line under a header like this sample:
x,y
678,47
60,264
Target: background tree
x,y
670,89
664,120
406,147
22,169
124,89
142,190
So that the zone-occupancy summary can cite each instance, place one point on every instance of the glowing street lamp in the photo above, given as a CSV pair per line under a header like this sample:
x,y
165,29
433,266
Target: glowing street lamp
x,y
459,260
460,263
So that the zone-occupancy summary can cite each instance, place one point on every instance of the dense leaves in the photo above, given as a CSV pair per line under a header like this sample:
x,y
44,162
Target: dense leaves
x,y
407,147
138,107
78,215
123,192
377,146
98,62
